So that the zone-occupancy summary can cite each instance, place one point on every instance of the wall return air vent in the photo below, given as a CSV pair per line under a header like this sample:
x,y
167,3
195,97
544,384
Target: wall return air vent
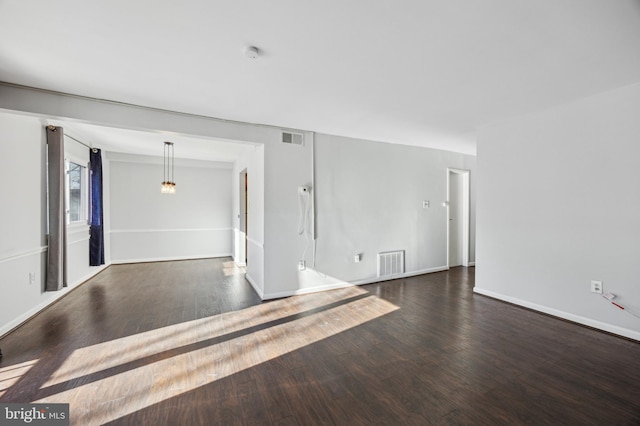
x,y
390,263
292,138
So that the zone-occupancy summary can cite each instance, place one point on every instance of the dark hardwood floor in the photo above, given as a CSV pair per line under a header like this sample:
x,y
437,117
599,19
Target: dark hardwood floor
x,y
189,343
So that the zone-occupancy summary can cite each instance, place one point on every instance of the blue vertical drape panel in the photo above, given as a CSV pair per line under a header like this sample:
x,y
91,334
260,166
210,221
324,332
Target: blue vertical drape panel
x,y
96,242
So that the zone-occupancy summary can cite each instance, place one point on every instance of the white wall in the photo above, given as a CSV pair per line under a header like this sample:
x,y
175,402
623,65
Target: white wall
x,y
253,164
286,168
559,206
23,222
369,199
147,225
106,207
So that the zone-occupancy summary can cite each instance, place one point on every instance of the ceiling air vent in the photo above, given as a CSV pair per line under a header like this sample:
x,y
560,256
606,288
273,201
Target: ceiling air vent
x,y
292,138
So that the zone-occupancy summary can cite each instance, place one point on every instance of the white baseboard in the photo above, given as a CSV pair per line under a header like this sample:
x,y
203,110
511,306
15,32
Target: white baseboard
x,y
255,286
343,284
57,295
165,259
308,290
472,263
561,314
398,276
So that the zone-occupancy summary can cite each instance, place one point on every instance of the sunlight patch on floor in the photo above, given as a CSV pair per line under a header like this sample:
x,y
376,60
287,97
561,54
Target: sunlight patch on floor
x,y
11,374
189,355
231,268
114,353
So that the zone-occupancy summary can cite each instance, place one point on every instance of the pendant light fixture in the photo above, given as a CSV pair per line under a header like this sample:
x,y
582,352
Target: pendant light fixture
x,y
168,185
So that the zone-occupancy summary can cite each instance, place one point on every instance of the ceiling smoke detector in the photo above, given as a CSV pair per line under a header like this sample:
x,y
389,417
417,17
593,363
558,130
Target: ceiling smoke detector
x,y
251,52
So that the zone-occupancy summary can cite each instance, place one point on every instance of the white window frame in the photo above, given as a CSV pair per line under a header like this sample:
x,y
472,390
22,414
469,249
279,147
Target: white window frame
x,y
84,191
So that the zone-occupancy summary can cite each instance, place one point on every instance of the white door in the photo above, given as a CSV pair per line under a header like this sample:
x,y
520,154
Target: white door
x,y
455,219
243,216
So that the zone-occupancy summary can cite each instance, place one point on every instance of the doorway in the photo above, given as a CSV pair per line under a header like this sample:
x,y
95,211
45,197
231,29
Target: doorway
x,y
458,217
243,216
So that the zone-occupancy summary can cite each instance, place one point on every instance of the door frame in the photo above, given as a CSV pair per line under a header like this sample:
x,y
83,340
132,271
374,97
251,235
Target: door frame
x,y
465,175
243,219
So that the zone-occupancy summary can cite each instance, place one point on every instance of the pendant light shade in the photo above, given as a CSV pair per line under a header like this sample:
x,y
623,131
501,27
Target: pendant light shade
x,y
168,184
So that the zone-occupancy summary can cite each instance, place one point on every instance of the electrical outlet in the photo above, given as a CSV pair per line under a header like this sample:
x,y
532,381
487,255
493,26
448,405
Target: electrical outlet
x,y
32,277
596,286
302,265
357,258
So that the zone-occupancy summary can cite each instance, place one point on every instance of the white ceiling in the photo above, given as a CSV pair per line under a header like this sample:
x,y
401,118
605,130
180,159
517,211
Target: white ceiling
x,y
419,72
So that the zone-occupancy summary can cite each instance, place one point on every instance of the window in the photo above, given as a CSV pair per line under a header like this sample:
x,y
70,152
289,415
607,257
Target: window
x,y
77,200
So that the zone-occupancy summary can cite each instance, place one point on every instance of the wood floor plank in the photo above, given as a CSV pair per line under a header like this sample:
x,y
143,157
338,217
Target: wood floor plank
x,y
189,342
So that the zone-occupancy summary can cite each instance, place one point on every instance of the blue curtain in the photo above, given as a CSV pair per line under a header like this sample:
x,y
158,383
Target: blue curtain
x,y
96,242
